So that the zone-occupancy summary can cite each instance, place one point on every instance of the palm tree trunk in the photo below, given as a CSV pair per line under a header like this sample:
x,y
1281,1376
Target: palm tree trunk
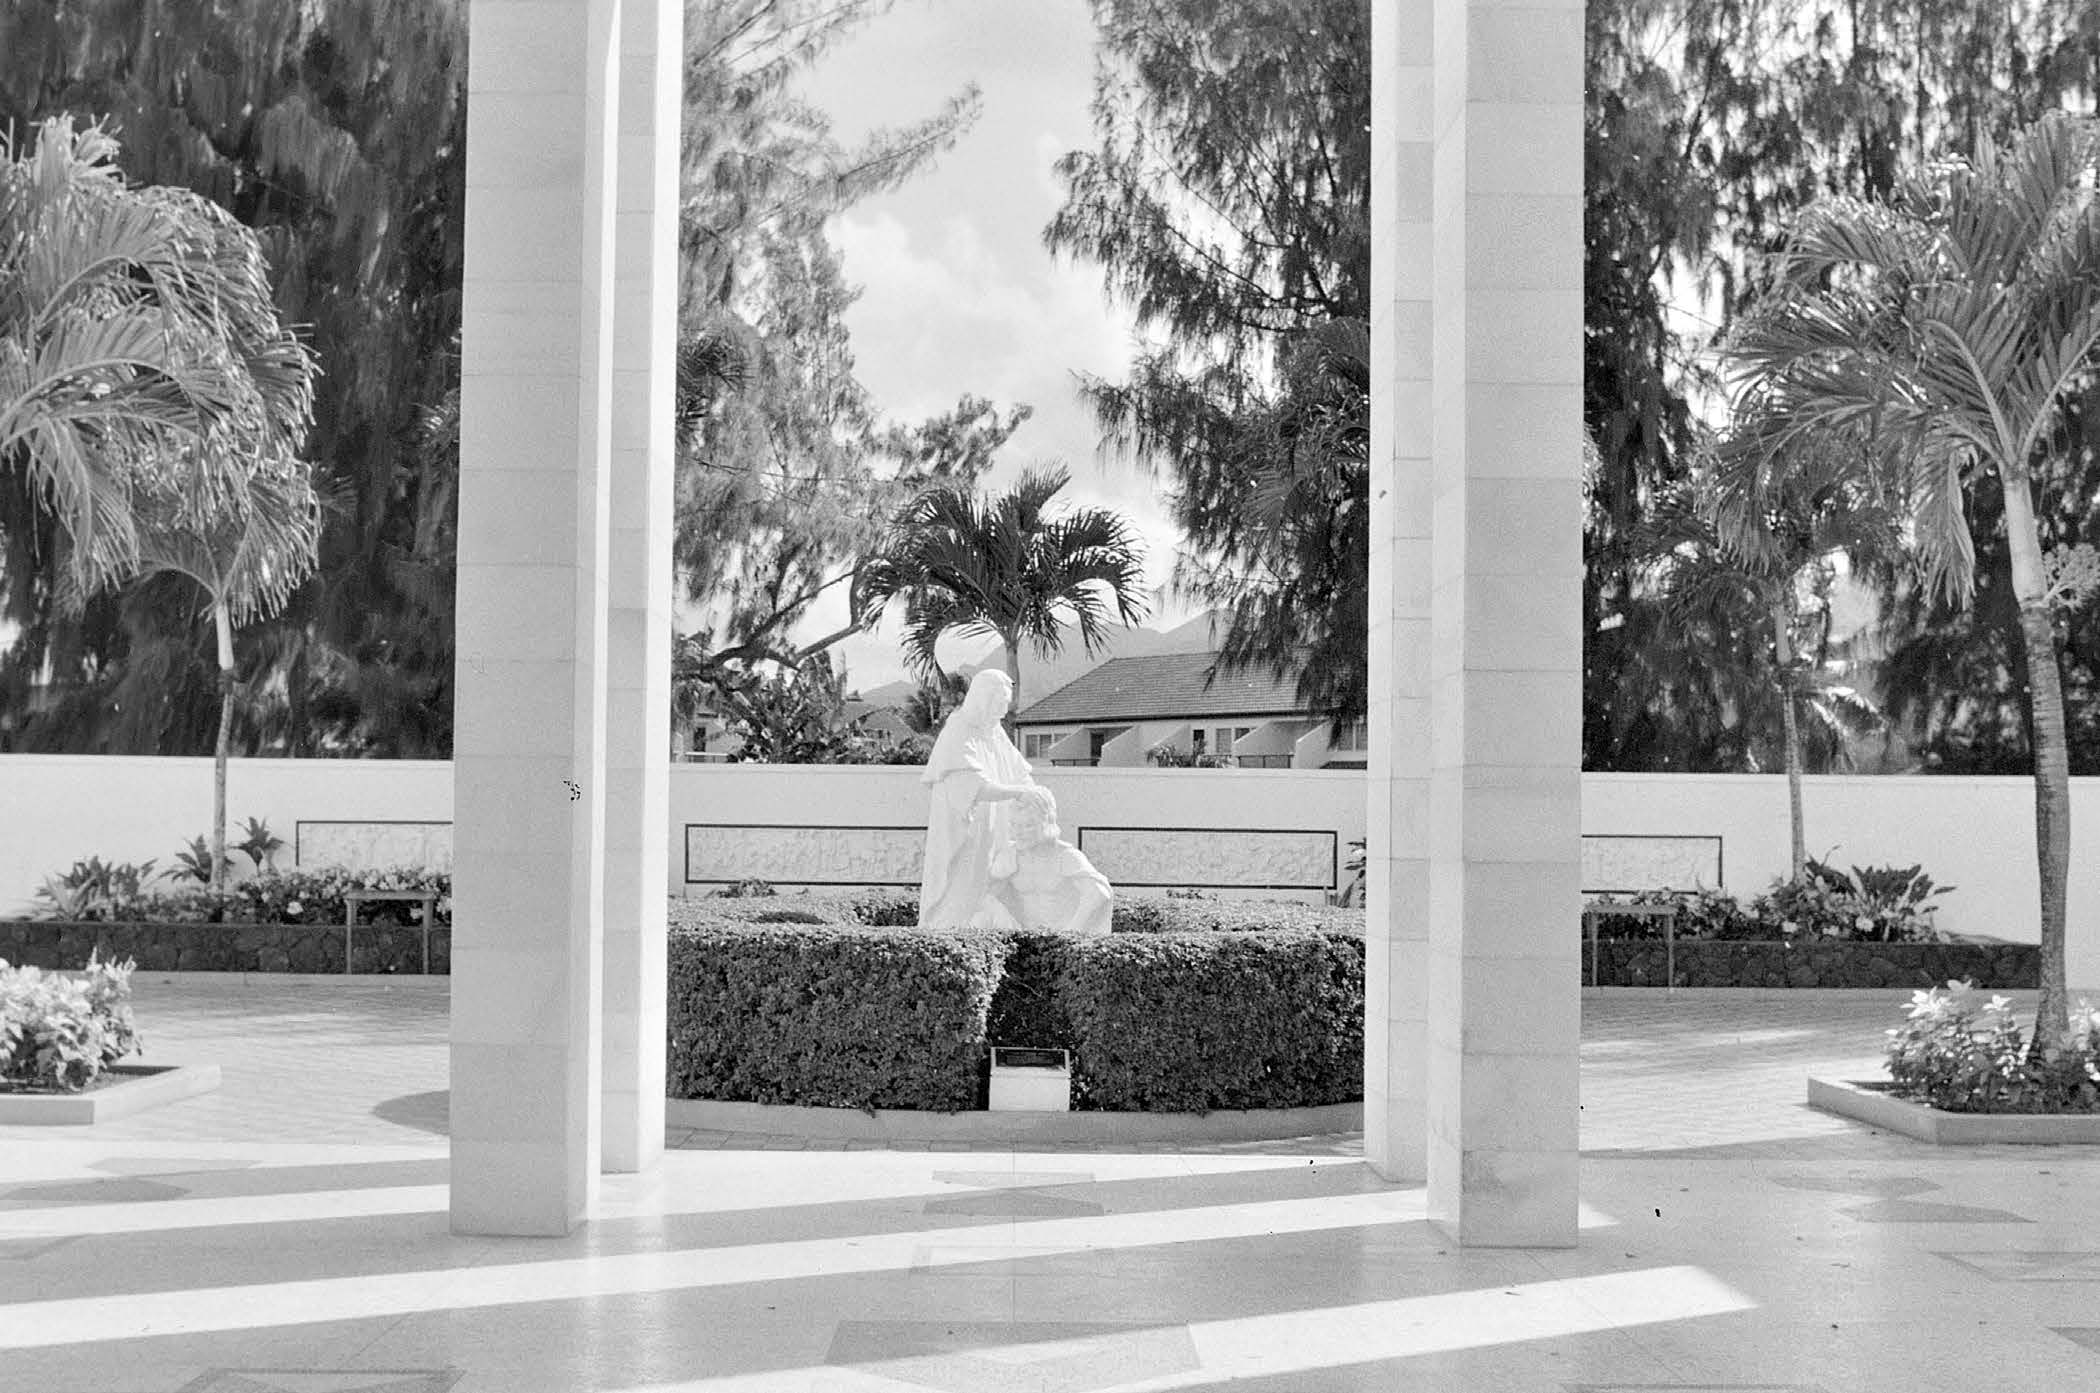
x,y
1013,675
2052,765
222,622
1790,727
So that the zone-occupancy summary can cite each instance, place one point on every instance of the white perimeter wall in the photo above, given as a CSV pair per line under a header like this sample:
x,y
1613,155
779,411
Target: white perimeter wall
x,y
1973,833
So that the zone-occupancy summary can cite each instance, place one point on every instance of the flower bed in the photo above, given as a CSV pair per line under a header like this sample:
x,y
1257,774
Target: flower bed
x,y
59,1033
1960,1052
1816,962
161,947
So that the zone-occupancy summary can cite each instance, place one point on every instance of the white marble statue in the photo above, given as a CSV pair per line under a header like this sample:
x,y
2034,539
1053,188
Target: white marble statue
x,y
976,774
1043,881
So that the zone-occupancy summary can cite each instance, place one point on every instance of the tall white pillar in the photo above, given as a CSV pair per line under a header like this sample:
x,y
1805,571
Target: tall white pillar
x,y
1396,930
638,653
528,724
1505,635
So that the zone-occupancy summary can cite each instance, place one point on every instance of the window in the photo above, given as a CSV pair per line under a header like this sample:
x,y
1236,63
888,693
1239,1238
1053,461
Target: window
x,y
1036,745
1354,736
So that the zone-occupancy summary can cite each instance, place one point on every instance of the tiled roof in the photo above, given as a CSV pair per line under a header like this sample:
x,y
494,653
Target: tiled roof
x,y
1163,686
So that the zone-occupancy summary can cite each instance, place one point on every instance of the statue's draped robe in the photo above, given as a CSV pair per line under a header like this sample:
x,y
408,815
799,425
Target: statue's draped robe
x,y
962,834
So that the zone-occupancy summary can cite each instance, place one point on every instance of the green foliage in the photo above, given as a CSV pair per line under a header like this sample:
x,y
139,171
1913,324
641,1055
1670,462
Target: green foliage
x,y
828,1015
1882,904
195,861
58,1032
1708,125
1004,566
92,886
1191,1005
336,133
785,476
1227,201
1889,904
798,716
119,895
1192,1022
1963,1053
259,844
1701,913
747,890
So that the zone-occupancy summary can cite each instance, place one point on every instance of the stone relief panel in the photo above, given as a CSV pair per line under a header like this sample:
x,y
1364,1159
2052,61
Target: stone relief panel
x,y
721,854
1212,857
1650,863
374,845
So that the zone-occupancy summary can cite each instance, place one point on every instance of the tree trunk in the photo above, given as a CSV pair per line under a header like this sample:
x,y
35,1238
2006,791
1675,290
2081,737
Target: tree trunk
x,y
2052,763
223,623
1790,728
1013,675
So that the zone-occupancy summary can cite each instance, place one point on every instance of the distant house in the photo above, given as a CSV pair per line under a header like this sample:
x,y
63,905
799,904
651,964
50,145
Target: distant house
x,y
1123,710
708,738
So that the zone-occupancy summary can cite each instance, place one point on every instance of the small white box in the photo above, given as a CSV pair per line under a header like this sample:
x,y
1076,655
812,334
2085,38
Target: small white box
x,y
1030,1080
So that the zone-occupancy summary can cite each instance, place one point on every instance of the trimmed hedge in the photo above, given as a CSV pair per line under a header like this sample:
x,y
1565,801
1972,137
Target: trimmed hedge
x,y
1190,1022
768,1006
829,1015
1819,962
381,948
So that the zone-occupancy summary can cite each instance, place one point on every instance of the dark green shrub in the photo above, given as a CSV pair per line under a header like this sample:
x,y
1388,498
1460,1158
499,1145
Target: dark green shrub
x,y
1197,1021
827,1015
1026,1009
883,909
1178,914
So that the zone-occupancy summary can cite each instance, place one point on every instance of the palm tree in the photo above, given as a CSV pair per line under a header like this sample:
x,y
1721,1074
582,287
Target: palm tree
x,y
1948,325
150,392
1004,566
136,327
1722,567
247,557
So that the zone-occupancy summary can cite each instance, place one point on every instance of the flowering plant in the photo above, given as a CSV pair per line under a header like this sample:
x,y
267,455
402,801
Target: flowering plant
x,y
1962,1052
59,1031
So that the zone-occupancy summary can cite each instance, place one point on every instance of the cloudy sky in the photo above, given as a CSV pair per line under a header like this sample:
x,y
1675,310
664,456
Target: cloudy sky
x,y
958,294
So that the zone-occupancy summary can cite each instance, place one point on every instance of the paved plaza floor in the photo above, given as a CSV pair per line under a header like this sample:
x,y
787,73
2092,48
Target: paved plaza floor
x,y
288,1232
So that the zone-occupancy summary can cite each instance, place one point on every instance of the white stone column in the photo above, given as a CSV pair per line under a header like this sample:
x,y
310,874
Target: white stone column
x,y
638,653
1505,644
1396,929
528,721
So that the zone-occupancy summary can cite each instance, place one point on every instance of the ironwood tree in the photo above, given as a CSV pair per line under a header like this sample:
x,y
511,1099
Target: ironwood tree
x,y
1227,201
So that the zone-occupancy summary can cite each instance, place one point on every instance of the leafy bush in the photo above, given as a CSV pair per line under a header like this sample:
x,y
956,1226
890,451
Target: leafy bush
x,y
828,1015
1882,904
194,862
1197,1021
885,909
829,1012
279,897
91,886
58,1032
1885,904
1701,913
260,845
1961,1052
